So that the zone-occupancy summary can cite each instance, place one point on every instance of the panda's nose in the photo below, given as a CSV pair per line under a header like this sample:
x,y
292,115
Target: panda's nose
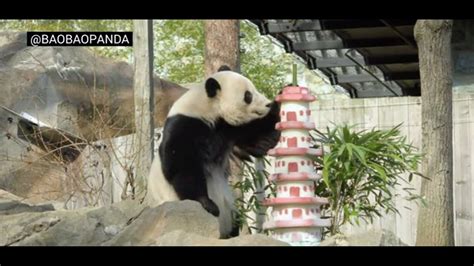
x,y
269,105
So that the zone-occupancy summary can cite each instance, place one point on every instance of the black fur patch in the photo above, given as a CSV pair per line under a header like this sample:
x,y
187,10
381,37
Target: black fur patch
x,y
188,146
212,86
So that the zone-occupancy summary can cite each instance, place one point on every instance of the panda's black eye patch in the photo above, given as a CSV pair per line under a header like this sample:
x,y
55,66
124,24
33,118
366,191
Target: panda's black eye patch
x,y
248,97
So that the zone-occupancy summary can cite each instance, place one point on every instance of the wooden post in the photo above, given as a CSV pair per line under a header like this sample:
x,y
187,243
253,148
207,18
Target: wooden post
x,y
144,102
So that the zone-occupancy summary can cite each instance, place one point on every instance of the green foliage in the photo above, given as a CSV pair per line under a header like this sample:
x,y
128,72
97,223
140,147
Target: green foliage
x,y
251,181
266,65
179,55
362,171
179,50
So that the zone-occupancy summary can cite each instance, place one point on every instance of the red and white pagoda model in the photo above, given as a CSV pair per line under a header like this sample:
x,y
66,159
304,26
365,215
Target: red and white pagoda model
x,y
295,214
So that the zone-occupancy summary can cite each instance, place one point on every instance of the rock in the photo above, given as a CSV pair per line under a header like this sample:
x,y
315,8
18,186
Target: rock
x,y
87,226
253,240
180,223
187,216
8,196
18,227
56,74
181,238
11,204
112,230
375,238
13,207
336,240
63,87
369,238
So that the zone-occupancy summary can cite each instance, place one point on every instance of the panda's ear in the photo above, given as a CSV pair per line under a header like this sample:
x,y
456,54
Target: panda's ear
x,y
224,68
212,86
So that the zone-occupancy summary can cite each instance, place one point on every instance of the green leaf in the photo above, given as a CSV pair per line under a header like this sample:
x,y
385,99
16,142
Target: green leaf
x,y
346,211
346,134
341,149
347,165
326,171
360,154
349,150
379,170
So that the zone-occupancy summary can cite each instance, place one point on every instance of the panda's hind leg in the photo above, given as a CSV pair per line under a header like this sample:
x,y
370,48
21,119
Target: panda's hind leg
x,y
209,205
191,187
235,230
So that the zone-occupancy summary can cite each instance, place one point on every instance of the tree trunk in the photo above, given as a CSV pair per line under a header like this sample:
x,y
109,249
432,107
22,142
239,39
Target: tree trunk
x,y
221,45
435,222
144,102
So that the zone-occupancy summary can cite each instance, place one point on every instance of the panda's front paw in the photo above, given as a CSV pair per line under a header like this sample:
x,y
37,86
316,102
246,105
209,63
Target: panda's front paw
x,y
274,107
209,206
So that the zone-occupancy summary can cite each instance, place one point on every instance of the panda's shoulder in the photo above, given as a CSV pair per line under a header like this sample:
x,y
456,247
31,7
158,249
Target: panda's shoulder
x,y
183,125
184,137
186,134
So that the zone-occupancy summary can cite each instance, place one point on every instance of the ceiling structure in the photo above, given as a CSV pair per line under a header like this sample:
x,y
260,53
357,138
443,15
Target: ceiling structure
x,y
368,58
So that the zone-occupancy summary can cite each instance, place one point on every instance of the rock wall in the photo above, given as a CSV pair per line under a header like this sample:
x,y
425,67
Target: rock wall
x,y
69,88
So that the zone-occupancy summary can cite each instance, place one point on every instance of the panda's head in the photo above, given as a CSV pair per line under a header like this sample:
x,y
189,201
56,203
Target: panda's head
x,y
236,98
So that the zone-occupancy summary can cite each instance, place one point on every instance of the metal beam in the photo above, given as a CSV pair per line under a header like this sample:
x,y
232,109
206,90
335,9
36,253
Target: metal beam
x,y
337,24
337,62
380,91
406,75
333,24
371,60
403,75
409,41
355,78
370,72
413,91
392,59
374,93
348,43
284,27
374,42
317,45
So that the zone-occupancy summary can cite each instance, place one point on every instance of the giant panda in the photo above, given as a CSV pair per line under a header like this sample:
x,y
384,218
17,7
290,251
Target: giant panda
x,y
203,129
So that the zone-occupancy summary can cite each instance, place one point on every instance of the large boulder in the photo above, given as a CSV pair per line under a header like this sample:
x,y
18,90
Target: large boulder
x,y
66,88
76,75
182,223
82,227
369,238
182,238
11,204
187,216
127,223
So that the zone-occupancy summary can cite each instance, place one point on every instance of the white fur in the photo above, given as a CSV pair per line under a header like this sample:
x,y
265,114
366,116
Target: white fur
x,y
230,98
195,103
228,103
159,190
